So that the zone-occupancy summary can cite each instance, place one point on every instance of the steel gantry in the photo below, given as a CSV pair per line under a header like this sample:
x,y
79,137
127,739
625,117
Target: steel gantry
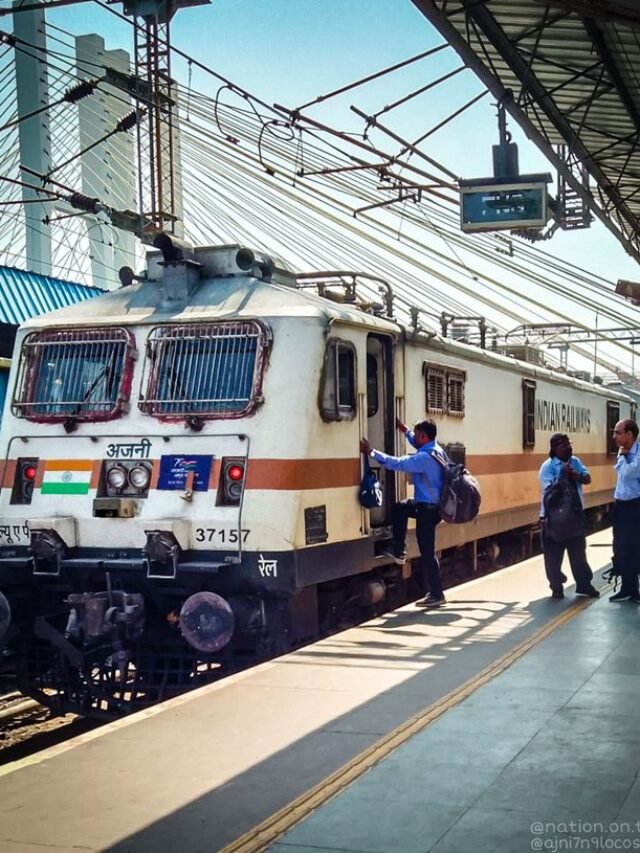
x,y
153,89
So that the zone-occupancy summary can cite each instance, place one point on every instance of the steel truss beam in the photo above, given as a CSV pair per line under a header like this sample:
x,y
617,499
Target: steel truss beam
x,y
607,10
478,17
612,69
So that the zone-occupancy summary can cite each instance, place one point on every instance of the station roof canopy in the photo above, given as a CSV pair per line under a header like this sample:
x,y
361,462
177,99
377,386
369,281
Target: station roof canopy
x,y
569,72
27,294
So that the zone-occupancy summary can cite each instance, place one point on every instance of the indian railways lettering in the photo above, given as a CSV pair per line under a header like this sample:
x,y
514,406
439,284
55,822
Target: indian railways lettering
x,y
267,568
552,417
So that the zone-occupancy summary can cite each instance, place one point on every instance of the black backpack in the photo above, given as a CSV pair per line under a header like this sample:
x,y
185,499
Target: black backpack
x,y
460,497
565,518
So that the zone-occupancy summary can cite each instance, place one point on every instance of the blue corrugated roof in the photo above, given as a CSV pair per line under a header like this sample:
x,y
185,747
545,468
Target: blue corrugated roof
x,y
27,294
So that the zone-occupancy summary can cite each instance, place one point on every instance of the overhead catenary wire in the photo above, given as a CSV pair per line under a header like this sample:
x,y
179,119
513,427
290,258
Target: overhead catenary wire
x,y
356,187
370,77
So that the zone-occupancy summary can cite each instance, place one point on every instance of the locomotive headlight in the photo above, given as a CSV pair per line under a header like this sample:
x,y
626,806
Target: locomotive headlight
x,y
139,477
116,477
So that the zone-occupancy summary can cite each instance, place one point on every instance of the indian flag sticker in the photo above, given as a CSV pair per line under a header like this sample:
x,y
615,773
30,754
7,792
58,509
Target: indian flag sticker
x,y
67,477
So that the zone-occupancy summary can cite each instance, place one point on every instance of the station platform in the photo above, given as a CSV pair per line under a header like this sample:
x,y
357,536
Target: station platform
x,y
503,721
546,756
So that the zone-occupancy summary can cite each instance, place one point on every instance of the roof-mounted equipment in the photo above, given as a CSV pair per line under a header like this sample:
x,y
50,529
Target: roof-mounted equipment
x,y
181,274
261,266
347,281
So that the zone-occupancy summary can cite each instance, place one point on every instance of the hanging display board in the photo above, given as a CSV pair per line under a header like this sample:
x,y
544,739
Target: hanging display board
x,y
500,205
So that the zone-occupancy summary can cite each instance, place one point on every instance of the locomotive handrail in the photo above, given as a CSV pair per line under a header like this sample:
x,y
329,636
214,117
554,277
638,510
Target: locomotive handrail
x,y
318,279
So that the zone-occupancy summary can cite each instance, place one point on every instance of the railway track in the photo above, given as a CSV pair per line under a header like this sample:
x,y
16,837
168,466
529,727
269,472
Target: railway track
x,y
15,704
26,727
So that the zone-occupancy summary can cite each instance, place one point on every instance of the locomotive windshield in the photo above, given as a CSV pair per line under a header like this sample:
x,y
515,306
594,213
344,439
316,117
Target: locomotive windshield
x,y
72,373
208,370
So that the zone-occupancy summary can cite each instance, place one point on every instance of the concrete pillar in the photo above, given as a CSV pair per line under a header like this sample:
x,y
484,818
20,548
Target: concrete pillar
x,y
34,134
108,170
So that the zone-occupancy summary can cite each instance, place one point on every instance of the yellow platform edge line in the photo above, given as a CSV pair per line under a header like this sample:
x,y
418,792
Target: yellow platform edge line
x,y
275,826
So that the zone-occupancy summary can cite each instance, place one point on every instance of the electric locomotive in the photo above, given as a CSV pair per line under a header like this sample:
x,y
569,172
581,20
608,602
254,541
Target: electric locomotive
x,y
180,468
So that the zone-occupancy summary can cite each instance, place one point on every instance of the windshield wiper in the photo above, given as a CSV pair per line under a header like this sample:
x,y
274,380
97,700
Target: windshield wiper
x,y
71,422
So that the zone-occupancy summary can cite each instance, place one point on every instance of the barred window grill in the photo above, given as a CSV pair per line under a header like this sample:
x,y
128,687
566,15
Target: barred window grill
x,y
455,393
206,370
435,380
83,374
444,390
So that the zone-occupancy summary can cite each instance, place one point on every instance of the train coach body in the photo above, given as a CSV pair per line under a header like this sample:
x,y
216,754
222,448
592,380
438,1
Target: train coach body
x,y
504,414
180,470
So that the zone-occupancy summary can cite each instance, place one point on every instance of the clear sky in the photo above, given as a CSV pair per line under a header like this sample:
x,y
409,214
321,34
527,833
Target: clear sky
x,y
291,51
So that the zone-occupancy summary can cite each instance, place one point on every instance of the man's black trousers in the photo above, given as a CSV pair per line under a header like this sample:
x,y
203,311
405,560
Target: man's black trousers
x,y
626,543
553,555
427,517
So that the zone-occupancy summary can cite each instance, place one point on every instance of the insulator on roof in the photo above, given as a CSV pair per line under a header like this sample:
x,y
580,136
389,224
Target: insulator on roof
x,y
80,91
84,202
127,122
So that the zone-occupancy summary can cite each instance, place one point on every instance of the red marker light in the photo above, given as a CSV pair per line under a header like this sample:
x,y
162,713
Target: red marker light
x,y
235,472
29,472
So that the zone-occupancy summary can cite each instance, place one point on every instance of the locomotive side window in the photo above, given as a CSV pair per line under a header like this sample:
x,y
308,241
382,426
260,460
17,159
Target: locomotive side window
x,y
338,384
211,370
77,374
444,390
528,413
373,402
613,416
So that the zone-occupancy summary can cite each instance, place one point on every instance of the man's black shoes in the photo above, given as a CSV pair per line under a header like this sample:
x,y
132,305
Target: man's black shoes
x,y
589,591
624,596
557,593
431,601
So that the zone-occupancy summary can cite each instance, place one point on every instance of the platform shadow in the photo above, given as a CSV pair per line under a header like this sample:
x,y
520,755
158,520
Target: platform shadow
x,y
230,808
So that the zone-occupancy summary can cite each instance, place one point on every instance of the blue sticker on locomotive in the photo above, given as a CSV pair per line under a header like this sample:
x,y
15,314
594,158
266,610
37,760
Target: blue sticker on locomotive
x,y
175,469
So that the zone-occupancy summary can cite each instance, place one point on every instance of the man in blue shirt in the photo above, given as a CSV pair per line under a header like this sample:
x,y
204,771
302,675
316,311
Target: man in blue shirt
x,y
562,463
428,476
626,512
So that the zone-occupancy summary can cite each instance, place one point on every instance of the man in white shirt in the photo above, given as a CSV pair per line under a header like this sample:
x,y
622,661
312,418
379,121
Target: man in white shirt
x,y
626,511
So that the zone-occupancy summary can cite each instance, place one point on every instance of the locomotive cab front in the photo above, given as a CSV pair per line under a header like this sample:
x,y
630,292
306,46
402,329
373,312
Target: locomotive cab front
x,y
175,453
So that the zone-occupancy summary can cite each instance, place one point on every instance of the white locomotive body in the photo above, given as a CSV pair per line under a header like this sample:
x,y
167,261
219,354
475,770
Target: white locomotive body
x,y
180,470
